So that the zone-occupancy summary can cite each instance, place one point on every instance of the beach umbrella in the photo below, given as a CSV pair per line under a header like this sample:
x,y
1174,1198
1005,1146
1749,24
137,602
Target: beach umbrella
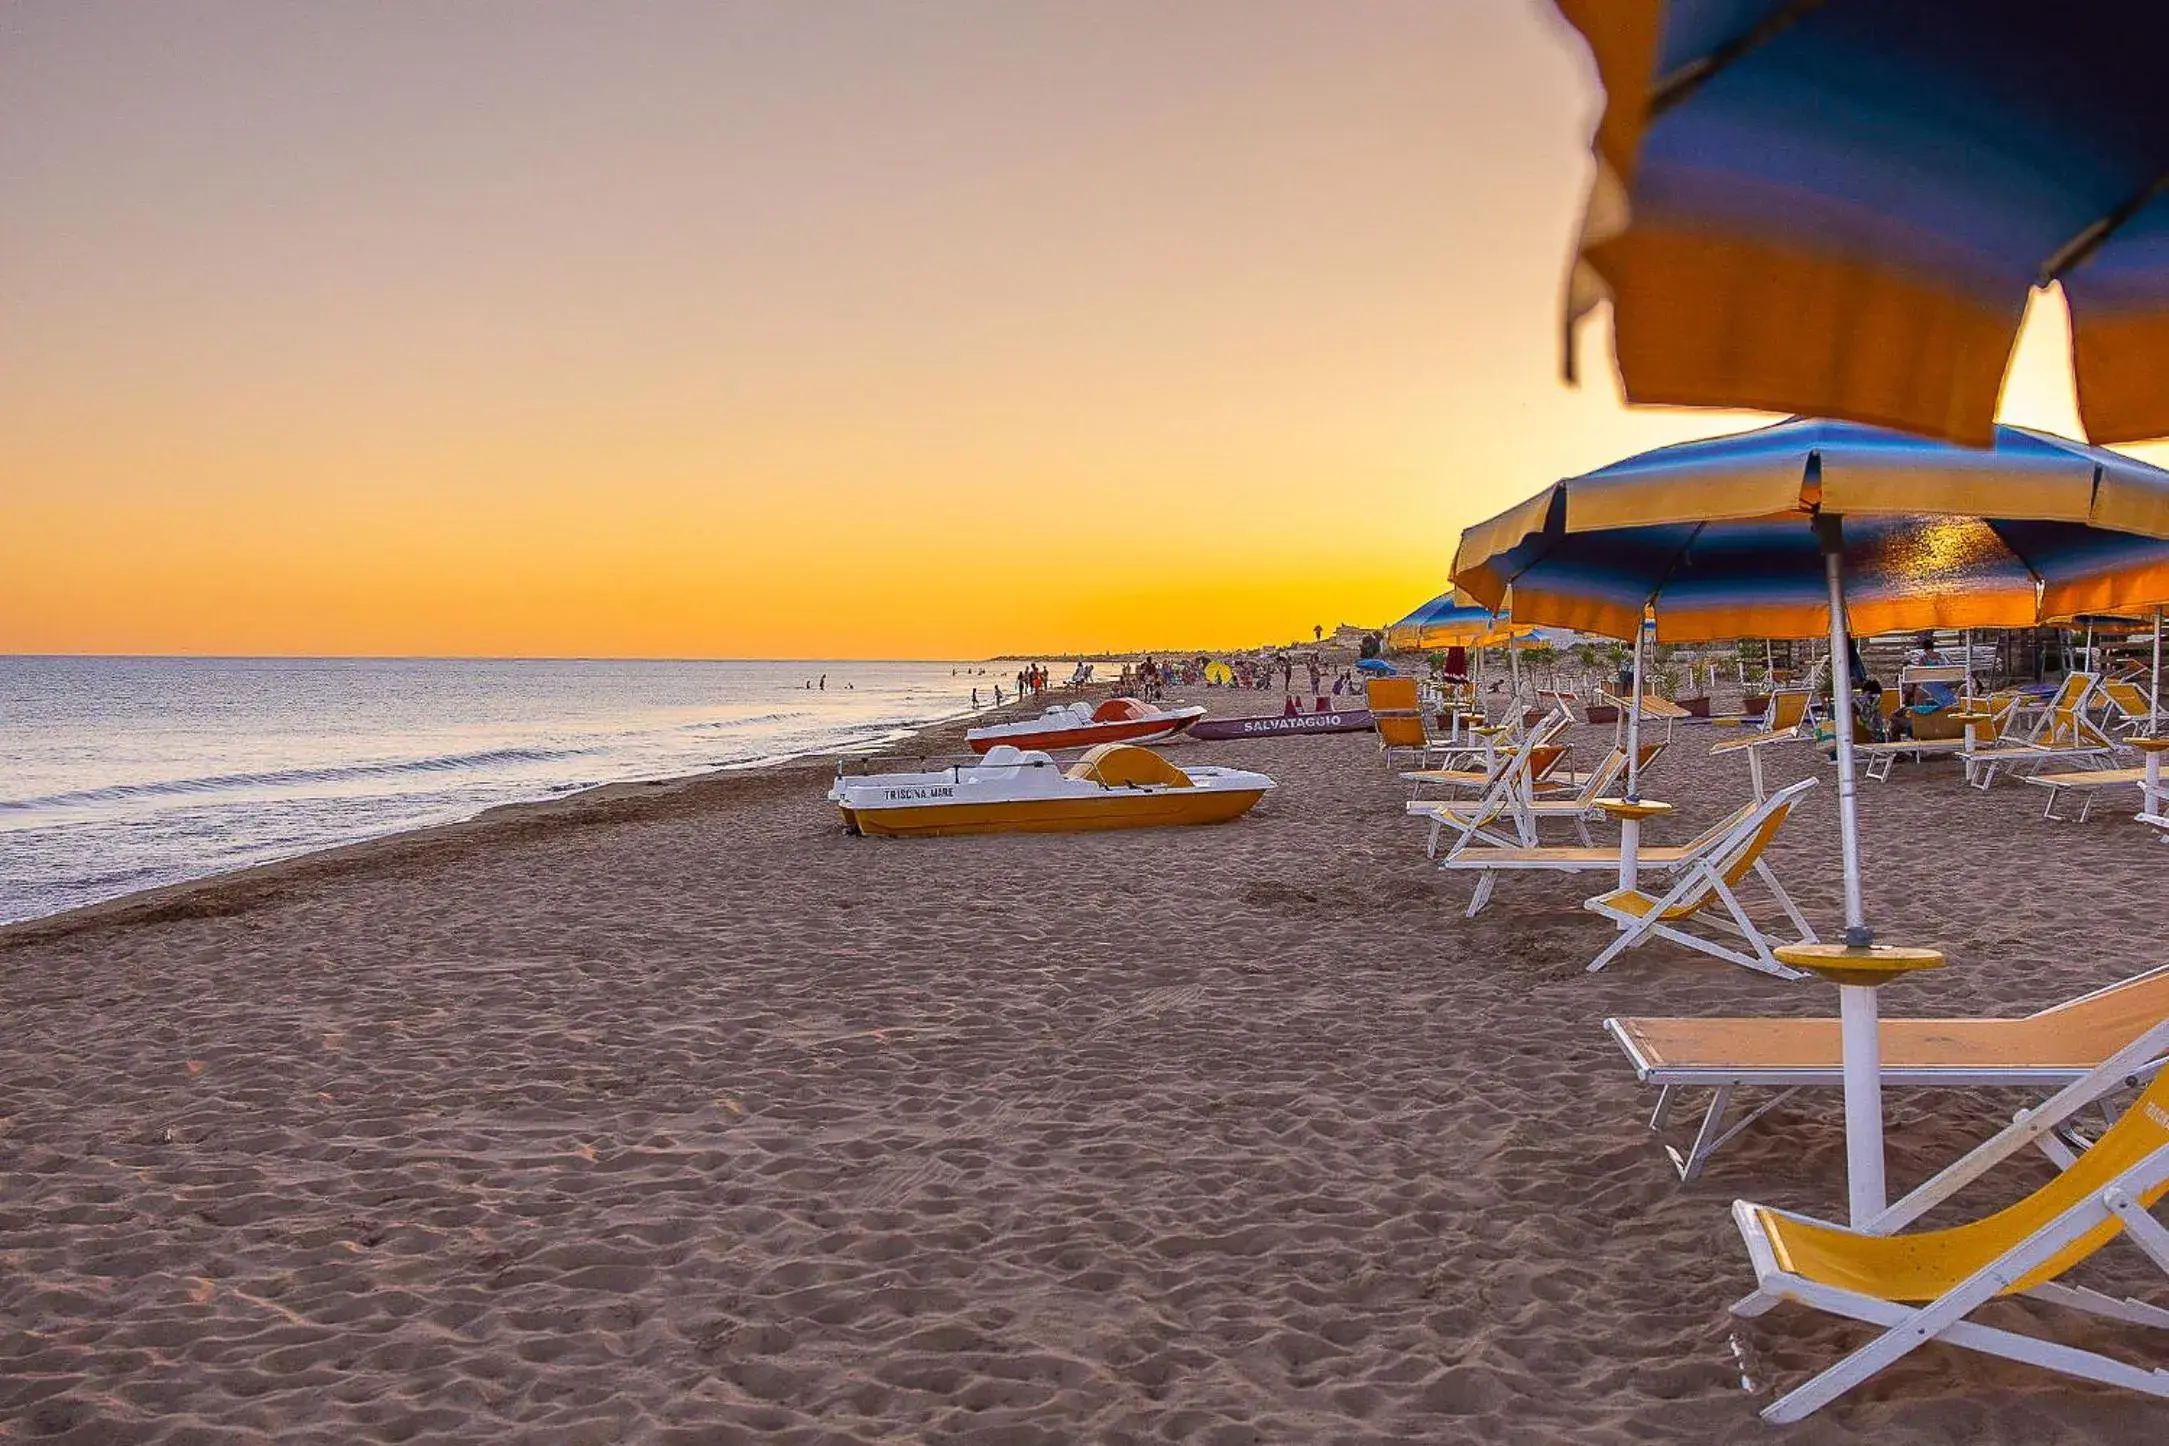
x,y
1840,207
1814,526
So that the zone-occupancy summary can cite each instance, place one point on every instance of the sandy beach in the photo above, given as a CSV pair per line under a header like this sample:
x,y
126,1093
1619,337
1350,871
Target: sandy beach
x,y
672,1114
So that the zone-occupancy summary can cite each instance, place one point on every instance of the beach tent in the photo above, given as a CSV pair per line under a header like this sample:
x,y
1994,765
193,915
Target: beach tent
x,y
1219,672
1842,208
1809,527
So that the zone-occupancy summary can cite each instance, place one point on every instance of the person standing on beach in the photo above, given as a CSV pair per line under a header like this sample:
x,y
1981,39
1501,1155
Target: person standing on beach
x,y
975,700
824,682
997,695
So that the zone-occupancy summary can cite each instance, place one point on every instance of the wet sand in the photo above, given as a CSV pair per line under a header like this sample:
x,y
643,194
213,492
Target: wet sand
x,y
673,1114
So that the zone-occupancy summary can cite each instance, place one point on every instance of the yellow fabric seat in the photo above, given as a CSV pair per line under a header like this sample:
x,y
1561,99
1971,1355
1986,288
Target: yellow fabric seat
x,y
2096,778
1930,1263
1125,765
2043,1050
1707,884
1925,1285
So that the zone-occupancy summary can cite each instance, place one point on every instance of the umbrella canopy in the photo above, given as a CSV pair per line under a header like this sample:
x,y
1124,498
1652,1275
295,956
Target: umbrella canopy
x,y
1452,620
1377,666
1839,207
1714,534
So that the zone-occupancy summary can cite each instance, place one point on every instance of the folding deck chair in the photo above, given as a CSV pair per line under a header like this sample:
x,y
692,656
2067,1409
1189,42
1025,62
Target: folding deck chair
x,y
1505,796
1530,807
2063,732
2047,1049
1704,894
2086,783
1925,1285
1544,765
1783,721
1487,862
2130,710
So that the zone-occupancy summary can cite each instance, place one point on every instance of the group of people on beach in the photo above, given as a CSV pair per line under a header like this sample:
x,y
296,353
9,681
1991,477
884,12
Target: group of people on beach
x,y
1920,698
1150,678
1031,682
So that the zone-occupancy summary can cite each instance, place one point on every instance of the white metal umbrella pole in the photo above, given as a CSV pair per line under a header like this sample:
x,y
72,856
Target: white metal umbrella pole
x,y
1634,723
1862,1035
2153,703
1513,662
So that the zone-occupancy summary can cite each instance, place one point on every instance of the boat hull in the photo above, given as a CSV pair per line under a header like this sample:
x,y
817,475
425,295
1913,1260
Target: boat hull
x,y
1175,808
1283,725
1051,740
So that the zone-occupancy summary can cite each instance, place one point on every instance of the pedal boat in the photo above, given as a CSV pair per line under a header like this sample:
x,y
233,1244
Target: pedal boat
x,y
1115,785
1076,725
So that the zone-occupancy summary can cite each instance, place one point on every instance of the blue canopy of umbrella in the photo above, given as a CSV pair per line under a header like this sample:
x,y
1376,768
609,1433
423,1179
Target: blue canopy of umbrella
x,y
1840,206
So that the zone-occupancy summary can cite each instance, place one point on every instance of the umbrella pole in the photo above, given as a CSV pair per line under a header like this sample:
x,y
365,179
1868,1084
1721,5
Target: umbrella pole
x,y
1513,666
2153,702
1860,1032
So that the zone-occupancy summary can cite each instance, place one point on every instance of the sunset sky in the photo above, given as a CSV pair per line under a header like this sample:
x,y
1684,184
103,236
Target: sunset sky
x,y
736,328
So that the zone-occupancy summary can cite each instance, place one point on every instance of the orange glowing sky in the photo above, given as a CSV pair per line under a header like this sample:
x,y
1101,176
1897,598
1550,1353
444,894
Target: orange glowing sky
x,y
740,328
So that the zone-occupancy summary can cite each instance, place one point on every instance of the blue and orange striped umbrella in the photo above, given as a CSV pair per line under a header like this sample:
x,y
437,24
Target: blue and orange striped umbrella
x,y
1838,207
1452,620
1811,525
1717,536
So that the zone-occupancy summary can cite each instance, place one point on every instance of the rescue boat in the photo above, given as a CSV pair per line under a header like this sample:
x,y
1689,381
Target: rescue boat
x,y
1077,725
1014,790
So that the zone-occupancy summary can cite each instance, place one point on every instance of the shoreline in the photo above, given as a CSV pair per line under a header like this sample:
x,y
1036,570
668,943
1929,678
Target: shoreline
x,y
242,890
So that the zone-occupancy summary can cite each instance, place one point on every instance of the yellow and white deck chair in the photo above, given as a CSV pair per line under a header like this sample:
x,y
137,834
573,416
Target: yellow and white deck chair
x,y
1546,762
1704,895
2087,784
1488,862
2129,707
1504,798
2061,733
1531,806
1783,722
2046,1050
1925,1285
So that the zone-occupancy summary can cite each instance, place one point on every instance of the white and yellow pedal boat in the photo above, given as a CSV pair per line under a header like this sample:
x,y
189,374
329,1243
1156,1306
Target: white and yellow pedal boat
x,y
1116,785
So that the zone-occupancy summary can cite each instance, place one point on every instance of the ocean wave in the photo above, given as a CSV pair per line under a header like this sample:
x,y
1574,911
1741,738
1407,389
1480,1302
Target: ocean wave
x,y
290,777
718,725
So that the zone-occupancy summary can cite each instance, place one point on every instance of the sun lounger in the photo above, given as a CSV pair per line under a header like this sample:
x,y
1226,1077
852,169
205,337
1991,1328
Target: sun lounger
x,y
1578,806
2046,1049
1506,796
2064,733
1926,1285
1487,862
1544,766
1881,756
2129,707
2085,783
1704,896
1783,722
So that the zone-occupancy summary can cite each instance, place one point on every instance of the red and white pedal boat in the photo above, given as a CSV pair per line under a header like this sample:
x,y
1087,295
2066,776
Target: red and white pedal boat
x,y
1076,725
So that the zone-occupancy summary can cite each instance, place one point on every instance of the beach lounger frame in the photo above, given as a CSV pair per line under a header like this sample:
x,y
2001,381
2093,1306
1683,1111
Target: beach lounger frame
x,y
2099,1197
1785,720
2063,733
1577,807
1706,881
1505,797
1724,1078
2087,783
1489,861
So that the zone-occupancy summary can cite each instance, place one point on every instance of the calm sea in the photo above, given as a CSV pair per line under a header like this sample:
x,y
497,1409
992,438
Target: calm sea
x,y
119,774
